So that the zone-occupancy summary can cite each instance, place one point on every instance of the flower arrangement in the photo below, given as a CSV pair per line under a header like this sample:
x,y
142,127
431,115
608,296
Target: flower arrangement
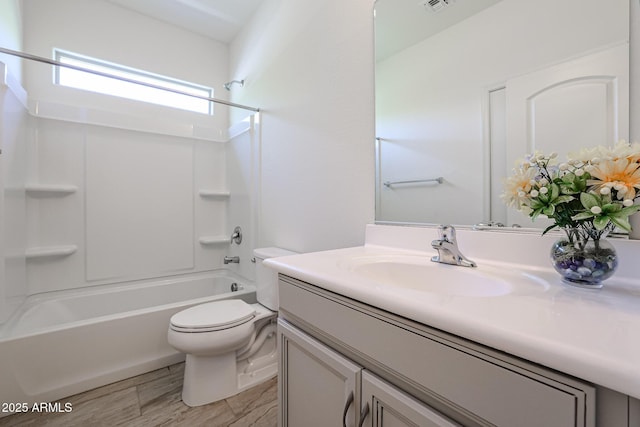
x,y
594,190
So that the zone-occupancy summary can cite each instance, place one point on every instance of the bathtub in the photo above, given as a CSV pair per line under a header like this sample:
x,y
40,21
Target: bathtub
x,y
62,343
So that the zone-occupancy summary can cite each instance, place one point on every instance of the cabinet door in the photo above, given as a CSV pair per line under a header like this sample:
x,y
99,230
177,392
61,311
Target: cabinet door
x,y
387,406
318,387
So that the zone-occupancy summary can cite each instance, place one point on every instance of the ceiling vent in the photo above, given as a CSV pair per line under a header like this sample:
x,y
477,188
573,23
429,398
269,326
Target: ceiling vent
x,y
436,5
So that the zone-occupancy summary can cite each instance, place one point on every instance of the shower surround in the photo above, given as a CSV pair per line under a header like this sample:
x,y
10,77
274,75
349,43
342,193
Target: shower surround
x,y
95,201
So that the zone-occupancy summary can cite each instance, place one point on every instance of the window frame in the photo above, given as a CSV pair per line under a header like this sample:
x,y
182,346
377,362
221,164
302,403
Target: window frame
x,y
132,76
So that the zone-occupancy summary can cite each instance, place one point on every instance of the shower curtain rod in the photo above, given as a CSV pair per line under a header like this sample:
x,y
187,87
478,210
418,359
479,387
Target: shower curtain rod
x,y
124,79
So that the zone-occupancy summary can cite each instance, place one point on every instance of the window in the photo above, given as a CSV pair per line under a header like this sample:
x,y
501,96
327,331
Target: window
x,y
96,83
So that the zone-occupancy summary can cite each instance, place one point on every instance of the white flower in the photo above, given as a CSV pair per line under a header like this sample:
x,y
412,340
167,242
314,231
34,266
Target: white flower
x,y
612,176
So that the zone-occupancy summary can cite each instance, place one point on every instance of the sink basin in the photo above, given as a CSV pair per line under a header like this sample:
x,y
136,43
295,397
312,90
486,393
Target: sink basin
x,y
420,274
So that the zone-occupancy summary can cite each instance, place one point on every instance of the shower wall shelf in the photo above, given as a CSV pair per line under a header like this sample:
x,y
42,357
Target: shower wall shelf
x,y
214,193
41,190
50,251
214,240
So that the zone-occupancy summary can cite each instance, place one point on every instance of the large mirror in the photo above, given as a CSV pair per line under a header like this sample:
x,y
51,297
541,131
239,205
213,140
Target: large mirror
x,y
466,87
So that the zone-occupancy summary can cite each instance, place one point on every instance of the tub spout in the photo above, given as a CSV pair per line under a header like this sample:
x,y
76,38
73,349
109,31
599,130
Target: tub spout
x,y
231,260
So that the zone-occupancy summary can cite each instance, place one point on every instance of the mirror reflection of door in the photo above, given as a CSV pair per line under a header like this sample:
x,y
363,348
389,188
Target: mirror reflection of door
x,y
566,107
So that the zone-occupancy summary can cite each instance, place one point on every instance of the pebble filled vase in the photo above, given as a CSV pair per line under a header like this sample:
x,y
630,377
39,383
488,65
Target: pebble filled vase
x,y
584,257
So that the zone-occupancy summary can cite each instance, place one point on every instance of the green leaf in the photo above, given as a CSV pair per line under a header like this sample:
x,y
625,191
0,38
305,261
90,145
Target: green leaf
x,y
564,199
582,215
549,228
600,222
611,208
549,210
621,222
630,210
544,198
588,200
535,213
536,204
555,192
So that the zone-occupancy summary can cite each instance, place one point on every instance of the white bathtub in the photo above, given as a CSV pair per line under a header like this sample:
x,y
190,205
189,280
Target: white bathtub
x,y
63,343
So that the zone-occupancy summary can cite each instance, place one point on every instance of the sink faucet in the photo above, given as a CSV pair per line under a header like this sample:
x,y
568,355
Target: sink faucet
x,y
447,247
231,260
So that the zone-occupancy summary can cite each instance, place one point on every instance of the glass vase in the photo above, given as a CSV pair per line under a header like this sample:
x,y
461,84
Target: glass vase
x,y
584,257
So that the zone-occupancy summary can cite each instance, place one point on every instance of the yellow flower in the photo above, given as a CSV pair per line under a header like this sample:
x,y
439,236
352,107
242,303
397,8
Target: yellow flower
x,y
622,175
586,155
622,150
518,186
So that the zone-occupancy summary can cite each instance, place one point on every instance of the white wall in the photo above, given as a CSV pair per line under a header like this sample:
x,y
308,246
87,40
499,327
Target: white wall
x,y
14,130
15,133
309,66
431,97
241,171
137,212
11,35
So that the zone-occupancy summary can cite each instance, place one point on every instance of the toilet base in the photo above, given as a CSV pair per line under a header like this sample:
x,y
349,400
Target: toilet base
x,y
209,379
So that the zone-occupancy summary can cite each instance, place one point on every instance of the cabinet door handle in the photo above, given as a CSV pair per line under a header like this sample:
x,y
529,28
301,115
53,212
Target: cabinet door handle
x,y
346,409
363,414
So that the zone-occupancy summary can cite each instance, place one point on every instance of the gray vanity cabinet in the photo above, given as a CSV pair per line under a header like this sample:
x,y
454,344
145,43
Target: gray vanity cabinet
x,y
321,388
384,405
317,385
340,358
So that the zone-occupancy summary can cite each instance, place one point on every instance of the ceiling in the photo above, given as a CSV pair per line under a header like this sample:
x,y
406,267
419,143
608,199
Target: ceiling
x,y
403,23
217,19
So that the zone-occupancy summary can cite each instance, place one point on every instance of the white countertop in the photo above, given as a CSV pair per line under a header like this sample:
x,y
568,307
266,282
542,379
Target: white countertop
x,y
591,334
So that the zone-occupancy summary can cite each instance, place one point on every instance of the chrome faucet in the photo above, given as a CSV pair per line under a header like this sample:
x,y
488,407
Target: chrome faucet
x,y
231,260
447,247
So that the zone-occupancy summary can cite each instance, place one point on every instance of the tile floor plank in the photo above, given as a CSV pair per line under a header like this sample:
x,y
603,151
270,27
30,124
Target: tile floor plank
x,y
154,399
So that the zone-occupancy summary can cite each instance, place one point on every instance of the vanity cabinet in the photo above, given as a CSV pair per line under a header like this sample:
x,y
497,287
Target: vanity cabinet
x,y
321,388
318,384
340,358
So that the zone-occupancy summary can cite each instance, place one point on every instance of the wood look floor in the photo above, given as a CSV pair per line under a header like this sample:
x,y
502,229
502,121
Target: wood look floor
x,y
153,399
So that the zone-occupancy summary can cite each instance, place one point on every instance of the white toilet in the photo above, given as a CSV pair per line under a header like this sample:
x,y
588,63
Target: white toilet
x,y
230,345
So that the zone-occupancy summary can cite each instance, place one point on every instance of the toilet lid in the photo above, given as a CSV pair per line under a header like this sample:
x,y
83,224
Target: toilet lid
x,y
213,316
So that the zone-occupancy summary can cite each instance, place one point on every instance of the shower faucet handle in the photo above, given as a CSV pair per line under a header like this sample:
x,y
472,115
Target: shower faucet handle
x,y
236,237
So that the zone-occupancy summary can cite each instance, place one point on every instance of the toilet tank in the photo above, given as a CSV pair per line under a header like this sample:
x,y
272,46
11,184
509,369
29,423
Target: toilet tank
x,y
267,278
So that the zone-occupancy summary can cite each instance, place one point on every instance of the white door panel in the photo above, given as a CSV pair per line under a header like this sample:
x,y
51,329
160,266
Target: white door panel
x,y
568,106
571,105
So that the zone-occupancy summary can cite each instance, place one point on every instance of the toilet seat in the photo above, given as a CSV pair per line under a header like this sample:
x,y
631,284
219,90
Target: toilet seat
x,y
213,316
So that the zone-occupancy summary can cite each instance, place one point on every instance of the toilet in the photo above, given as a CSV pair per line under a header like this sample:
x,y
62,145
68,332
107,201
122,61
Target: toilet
x,y
230,345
